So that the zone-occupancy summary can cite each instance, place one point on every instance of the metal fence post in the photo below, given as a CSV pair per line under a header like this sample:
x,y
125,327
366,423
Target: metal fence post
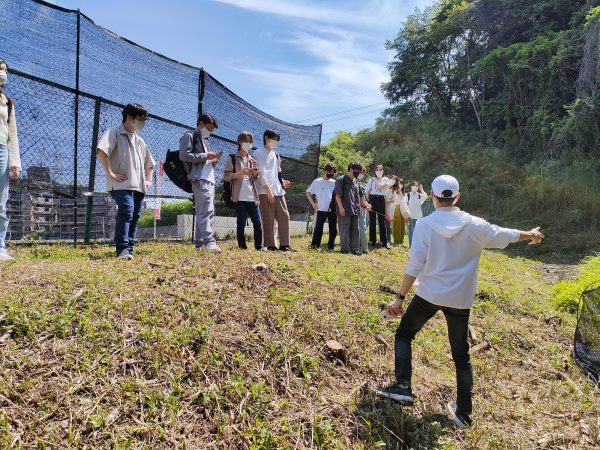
x,y
92,177
201,87
75,162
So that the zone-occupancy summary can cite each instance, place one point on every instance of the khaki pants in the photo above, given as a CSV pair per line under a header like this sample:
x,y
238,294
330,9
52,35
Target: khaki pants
x,y
271,212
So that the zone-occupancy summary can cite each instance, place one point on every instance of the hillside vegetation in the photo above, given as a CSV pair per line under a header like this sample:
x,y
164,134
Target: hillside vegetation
x,y
503,95
178,350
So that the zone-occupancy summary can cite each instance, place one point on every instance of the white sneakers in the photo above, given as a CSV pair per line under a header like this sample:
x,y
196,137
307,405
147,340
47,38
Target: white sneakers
x,y
211,247
4,256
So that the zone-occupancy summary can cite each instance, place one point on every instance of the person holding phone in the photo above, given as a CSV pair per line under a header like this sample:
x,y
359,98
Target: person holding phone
x,y
195,150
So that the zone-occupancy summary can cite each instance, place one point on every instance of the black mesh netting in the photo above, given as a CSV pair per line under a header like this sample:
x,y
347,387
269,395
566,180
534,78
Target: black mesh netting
x,y
40,43
587,333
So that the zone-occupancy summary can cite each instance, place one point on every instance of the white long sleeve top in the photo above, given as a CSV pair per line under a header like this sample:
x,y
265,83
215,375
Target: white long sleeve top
x,y
445,253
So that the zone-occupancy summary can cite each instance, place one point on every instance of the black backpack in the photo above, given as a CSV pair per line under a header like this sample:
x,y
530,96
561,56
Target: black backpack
x,y
227,191
176,169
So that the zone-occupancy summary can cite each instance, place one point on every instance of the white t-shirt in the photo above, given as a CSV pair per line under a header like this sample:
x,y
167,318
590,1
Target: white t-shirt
x,y
246,192
323,189
269,166
372,186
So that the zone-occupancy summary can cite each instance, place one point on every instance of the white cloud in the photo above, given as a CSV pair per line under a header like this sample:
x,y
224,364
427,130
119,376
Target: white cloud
x,y
345,47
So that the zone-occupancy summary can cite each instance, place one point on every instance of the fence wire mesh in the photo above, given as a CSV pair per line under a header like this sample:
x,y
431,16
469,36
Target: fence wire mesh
x,y
71,79
587,333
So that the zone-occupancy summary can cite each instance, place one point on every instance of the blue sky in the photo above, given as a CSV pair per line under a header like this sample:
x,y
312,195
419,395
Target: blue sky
x,y
298,60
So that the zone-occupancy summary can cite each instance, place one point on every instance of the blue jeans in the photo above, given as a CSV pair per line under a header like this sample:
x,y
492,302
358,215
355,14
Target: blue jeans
x,y
417,314
243,210
129,210
411,230
4,178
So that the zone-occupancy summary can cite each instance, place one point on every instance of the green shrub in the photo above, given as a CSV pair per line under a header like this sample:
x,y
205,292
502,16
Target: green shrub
x,y
566,294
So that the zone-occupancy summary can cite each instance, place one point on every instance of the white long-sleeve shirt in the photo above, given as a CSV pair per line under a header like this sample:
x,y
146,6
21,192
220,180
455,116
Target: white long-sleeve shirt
x,y
414,201
445,253
269,166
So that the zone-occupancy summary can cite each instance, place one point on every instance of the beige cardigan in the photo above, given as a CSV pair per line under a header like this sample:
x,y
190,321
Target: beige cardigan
x,y
236,184
8,133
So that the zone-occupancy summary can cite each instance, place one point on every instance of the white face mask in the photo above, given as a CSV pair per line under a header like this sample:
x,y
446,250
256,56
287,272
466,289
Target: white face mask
x,y
273,144
204,133
3,77
247,146
379,173
139,125
414,188
361,176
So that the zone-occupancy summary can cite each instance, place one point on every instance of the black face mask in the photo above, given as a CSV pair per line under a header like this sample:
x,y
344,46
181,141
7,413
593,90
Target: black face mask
x,y
356,173
328,175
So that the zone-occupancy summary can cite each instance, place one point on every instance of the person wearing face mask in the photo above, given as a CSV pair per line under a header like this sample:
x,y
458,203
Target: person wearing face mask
x,y
324,209
128,166
376,193
394,203
271,193
10,158
415,198
194,149
348,203
363,218
400,214
243,189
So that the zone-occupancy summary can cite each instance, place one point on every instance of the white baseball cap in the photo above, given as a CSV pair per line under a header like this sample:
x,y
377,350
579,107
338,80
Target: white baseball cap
x,y
445,186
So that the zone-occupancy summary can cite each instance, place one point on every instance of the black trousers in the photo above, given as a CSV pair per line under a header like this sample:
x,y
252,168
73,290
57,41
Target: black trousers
x,y
378,204
417,314
322,217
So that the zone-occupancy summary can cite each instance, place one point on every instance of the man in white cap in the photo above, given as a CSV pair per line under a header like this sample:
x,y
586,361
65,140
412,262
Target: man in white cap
x,y
445,254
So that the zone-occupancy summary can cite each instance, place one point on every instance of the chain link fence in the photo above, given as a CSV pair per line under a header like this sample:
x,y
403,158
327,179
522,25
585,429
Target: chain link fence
x,y
71,79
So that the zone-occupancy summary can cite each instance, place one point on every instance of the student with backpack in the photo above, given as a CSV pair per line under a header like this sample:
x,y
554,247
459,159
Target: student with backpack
x,y
324,209
271,193
194,149
445,254
349,201
10,157
128,166
241,172
415,198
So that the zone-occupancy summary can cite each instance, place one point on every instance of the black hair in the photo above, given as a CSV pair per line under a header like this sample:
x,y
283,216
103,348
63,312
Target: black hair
x,y
207,119
446,200
134,110
271,134
330,167
354,166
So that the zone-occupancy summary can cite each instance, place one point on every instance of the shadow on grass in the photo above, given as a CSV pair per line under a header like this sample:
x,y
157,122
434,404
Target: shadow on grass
x,y
387,424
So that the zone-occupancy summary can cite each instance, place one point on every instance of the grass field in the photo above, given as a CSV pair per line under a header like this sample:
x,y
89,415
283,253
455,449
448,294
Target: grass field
x,y
181,350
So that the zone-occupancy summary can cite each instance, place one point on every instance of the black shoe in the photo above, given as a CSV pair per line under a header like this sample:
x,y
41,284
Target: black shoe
x,y
314,247
286,248
461,420
397,392
344,252
243,248
356,253
272,249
